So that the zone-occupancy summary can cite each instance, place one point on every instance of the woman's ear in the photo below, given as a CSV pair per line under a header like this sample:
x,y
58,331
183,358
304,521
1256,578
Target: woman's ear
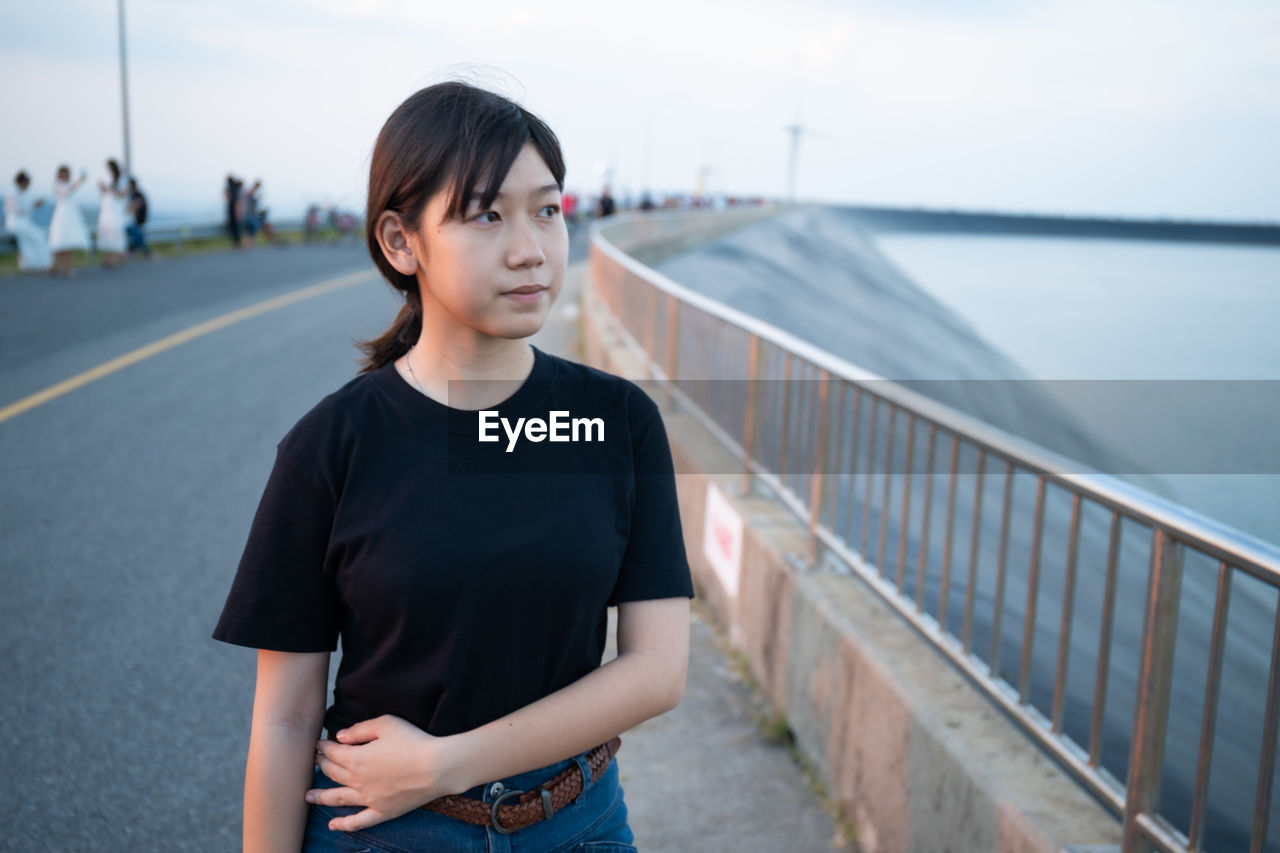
x,y
396,242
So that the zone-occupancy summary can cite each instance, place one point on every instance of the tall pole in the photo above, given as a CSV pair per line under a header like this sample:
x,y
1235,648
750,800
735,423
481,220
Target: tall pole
x,y
124,91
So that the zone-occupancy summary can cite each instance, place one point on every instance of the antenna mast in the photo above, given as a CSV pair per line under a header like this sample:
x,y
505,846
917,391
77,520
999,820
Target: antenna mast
x,y
795,130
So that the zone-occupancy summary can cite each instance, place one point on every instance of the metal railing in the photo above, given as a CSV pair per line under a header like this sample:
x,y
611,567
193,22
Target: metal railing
x,y
843,449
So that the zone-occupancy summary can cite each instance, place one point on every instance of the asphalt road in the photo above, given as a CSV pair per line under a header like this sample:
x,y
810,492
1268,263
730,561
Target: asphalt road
x,y
126,502
125,507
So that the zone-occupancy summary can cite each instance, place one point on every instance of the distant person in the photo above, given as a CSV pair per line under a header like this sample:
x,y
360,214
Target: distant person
x,y
67,231
256,215
138,213
332,221
249,213
242,210
33,248
343,224
569,202
231,194
646,202
111,216
606,206
311,224
346,226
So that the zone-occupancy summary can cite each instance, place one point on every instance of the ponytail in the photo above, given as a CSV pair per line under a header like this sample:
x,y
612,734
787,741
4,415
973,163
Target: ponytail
x,y
397,340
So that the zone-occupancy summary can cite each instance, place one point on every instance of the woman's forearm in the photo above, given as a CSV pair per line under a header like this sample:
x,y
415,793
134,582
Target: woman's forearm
x,y
612,699
277,775
288,710
645,680
390,766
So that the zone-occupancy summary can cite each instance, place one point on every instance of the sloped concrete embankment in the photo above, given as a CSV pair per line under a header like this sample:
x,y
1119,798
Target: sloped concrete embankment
x,y
913,754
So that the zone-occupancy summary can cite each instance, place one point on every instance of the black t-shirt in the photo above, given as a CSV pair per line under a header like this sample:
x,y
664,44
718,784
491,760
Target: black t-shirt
x,y
466,578
139,202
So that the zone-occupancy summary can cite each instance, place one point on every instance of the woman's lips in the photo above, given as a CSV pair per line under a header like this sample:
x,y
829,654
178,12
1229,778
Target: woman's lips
x,y
528,293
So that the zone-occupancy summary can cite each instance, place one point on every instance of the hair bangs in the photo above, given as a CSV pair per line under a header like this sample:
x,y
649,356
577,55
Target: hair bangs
x,y
485,159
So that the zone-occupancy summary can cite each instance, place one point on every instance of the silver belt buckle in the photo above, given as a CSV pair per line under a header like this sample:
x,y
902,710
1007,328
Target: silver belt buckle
x,y
547,810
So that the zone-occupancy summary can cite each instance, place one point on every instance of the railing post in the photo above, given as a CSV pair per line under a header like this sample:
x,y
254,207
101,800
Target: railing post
x,y
887,493
671,354
1267,759
1033,594
1155,677
1208,719
784,434
871,467
922,560
906,499
673,328
1104,645
837,434
650,327
749,415
819,477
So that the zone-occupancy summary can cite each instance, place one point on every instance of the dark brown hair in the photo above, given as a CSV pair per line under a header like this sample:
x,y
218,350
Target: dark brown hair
x,y
450,137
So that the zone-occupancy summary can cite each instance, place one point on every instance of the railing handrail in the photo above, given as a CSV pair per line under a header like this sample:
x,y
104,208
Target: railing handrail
x,y
1259,557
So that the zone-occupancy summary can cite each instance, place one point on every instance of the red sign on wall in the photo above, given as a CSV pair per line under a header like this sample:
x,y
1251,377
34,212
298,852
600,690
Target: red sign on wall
x,y
722,539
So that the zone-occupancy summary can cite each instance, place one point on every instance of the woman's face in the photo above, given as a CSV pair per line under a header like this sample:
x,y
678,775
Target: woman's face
x,y
496,270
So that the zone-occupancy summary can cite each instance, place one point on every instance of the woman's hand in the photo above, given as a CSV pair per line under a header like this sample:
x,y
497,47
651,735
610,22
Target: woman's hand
x,y
388,766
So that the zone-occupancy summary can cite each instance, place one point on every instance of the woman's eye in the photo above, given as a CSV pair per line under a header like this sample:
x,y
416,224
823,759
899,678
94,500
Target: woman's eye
x,y
550,210
488,216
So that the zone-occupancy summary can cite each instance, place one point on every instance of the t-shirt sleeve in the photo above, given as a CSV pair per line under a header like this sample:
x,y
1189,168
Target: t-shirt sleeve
x,y
654,564
281,598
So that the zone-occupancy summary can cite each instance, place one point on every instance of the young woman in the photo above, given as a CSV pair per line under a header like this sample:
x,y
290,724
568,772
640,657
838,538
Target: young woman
x,y
33,249
111,216
466,567
66,229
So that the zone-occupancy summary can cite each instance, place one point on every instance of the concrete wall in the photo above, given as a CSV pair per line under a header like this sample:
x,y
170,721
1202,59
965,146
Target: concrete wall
x,y
914,755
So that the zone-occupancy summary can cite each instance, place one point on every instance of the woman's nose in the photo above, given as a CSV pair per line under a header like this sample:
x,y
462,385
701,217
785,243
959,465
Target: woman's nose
x,y
525,249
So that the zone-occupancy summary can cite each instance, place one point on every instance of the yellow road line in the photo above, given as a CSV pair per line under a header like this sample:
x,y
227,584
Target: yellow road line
x,y
121,362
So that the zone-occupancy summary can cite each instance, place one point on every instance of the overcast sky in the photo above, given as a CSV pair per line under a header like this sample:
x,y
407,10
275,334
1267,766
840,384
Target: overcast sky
x,y
1132,107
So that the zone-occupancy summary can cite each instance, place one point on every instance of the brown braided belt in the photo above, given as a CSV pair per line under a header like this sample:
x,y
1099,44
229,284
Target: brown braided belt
x,y
532,806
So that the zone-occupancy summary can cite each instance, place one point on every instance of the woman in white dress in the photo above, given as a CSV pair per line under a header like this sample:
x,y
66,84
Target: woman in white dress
x,y
33,249
66,230
111,216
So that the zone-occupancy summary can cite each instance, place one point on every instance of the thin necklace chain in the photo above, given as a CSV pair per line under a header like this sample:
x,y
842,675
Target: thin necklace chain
x,y
408,362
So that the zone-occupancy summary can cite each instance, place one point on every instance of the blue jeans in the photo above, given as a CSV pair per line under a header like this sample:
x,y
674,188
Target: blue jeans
x,y
596,822
137,239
